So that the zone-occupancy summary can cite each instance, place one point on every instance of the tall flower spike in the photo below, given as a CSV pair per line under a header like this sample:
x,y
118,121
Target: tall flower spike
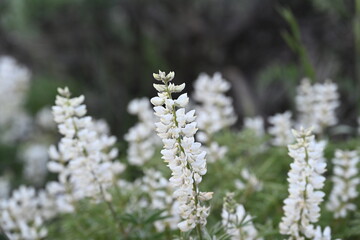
x,y
304,103
301,208
181,152
345,182
215,111
316,104
85,157
281,129
141,137
14,84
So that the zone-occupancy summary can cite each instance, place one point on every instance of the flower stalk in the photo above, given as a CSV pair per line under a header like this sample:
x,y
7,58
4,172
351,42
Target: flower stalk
x,y
183,154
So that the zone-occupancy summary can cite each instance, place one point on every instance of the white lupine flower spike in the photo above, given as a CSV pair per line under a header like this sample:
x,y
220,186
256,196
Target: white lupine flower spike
x,y
141,137
85,156
181,152
316,104
215,112
301,208
281,129
14,83
345,182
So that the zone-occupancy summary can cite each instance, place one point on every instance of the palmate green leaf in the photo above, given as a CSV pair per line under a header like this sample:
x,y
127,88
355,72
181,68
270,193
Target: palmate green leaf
x,y
353,230
154,216
143,217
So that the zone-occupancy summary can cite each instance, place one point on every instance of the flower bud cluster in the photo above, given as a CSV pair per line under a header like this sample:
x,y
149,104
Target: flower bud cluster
x,y
84,158
14,84
141,137
181,152
345,182
281,129
316,104
256,124
215,111
237,224
301,208
22,215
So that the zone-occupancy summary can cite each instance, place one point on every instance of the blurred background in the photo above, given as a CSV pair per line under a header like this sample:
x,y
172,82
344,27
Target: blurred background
x,y
108,49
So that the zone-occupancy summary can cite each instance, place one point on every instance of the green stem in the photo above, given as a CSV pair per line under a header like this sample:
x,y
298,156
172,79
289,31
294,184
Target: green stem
x,y
198,228
306,182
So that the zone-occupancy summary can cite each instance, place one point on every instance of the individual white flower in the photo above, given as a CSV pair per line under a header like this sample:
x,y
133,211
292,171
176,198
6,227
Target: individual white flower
x,y
4,187
301,208
256,124
14,84
181,152
281,129
237,223
215,110
21,216
35,157
316,104
249,180
85,157
141,137
319,235
345,182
